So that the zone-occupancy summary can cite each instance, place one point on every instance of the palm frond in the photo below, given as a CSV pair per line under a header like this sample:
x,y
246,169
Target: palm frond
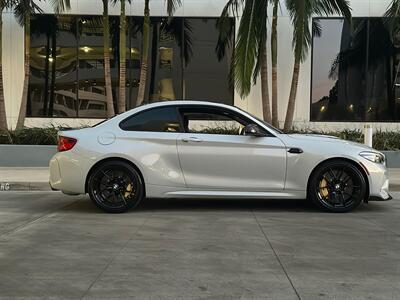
x,y
316,28
329,7
60,6
262,37
225,26
251,35
23,9
172,6
114,2
174,28
392,20
226,29
300,13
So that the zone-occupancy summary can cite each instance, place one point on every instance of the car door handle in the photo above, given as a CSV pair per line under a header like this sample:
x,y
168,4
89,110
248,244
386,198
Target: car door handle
x,y
295,150
192,139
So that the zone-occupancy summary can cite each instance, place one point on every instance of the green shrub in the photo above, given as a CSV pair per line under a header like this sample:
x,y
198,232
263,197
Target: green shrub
x,y
30,136
382,140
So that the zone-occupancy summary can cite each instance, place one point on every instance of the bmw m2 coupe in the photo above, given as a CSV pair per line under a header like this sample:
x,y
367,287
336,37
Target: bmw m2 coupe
x,y
199,149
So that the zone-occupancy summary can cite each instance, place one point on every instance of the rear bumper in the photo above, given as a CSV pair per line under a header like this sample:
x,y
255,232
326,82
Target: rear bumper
x,y
68,173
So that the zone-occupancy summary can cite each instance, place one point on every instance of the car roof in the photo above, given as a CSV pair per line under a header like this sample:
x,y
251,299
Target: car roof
x,y
184,102
169,103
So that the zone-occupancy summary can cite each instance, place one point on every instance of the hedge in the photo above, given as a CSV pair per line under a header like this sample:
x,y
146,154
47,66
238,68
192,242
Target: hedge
x,y
382,140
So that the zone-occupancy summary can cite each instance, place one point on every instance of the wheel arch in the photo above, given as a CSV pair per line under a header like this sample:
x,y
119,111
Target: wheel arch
x,y
353,162
100,162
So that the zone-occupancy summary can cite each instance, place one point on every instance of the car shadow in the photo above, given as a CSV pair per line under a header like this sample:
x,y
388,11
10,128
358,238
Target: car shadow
x,y
85,205
289,205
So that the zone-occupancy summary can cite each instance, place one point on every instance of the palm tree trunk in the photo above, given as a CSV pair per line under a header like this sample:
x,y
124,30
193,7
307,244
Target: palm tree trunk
x,y
53,74
274,58
122,60
145,54
107,68
46,76
3,120
292,98
264,86
24,99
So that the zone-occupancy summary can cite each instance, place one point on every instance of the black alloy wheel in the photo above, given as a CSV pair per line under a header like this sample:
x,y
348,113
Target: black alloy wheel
x,y
115,187
337,186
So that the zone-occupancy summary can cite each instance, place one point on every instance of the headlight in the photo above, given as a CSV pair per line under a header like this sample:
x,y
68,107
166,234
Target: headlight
x,y
378,158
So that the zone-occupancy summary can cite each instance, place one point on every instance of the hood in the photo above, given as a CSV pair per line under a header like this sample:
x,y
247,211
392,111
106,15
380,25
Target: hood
x,y
318,138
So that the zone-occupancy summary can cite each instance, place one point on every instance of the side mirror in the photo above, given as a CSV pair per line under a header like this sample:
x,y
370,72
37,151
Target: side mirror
x,y
253,130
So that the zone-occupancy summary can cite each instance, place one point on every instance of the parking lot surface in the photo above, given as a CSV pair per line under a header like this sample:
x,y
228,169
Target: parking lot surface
x,y
60,247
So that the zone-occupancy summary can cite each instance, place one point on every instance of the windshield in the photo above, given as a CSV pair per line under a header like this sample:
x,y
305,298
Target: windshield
x,y
262,121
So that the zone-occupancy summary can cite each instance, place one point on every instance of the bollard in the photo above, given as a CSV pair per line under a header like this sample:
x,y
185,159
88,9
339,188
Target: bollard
x,y
368,133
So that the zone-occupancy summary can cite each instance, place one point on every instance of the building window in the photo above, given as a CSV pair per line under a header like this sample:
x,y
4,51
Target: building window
x,y
67,64
53,67
355,72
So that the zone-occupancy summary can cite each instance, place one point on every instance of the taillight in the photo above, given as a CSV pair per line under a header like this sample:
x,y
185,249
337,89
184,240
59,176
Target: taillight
x,y
65,143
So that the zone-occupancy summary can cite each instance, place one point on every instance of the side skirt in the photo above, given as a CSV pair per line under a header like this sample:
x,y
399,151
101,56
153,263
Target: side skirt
x,y
153,191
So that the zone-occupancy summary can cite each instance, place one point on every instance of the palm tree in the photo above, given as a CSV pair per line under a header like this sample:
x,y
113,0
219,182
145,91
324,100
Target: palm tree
x,y
107,68
274,59
171,6
122,59
3,118
250,55
22,11
301,13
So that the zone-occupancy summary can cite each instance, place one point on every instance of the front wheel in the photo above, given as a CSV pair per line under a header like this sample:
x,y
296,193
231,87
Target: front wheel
x,y
337,186
115,187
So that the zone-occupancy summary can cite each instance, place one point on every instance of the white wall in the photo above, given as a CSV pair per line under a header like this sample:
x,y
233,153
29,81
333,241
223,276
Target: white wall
x,y
13,43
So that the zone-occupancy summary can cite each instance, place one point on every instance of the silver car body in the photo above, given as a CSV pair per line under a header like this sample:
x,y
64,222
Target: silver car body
x,y
176,164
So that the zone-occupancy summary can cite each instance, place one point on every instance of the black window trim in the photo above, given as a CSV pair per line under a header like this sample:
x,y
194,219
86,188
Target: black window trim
x,y
178,107
230,111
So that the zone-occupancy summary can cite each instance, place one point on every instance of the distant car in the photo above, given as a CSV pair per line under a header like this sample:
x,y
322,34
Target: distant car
x,y
199,149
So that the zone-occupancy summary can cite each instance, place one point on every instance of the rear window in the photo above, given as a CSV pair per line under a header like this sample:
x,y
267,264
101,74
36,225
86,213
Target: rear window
x,y
161,119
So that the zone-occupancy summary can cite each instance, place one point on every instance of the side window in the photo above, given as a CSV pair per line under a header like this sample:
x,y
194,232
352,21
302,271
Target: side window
x,y
162,119
212,121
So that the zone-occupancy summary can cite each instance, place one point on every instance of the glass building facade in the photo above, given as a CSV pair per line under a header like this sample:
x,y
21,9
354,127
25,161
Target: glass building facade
x,y
355,71
67,64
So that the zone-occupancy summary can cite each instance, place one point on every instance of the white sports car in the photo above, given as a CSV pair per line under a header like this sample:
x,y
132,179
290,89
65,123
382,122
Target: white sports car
x,y
202,149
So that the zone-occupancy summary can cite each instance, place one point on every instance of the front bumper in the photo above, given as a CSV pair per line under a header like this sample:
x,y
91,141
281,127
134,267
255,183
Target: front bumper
x,y
378,181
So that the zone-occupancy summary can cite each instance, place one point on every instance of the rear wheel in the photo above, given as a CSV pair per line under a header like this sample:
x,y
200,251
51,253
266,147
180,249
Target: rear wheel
x,y
337,186
115,187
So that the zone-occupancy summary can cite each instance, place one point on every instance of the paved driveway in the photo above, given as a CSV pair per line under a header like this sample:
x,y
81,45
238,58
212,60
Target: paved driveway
x,y
55,246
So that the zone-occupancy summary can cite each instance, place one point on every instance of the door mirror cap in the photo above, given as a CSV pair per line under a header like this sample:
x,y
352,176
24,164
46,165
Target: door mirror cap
x,y
253,130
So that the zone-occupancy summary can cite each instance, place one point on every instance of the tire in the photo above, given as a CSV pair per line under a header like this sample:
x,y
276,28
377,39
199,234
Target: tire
x,y
115,187
337,186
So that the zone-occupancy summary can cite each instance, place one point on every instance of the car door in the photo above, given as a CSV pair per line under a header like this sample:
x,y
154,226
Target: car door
x,y
214,155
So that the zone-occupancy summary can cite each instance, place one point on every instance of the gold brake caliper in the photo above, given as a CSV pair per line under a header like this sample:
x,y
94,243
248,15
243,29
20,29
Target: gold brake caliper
x,y
128,191
323,187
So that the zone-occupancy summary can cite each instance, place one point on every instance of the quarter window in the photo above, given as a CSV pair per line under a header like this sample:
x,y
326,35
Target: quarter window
x,y
162,119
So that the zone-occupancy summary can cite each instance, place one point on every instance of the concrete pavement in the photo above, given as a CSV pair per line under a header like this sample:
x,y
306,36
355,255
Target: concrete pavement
x,y
22,179
60,247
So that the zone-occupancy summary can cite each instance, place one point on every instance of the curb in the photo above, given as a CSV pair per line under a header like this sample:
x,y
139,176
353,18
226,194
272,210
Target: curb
x,y
24,186
394,188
